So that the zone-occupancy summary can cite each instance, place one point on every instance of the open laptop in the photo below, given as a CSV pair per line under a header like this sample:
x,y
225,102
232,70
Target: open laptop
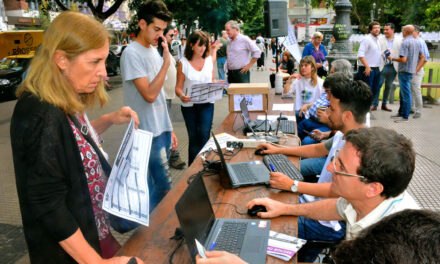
x,y
257,125
247,238
242,173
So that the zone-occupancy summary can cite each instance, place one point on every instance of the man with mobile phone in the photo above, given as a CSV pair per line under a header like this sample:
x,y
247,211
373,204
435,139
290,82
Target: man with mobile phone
x,y
143,73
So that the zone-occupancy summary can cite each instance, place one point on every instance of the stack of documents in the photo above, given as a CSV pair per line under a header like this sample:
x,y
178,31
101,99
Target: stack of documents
x,y
283,246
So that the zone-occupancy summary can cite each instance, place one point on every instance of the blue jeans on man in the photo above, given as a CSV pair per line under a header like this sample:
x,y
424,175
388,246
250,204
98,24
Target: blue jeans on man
x,y
373,80
309,125
388,75
311,167
221,67
198,121
405,94
309,229
158,169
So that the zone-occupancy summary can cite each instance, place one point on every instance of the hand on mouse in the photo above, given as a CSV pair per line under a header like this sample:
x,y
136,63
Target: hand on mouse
x,y
274,208
267,148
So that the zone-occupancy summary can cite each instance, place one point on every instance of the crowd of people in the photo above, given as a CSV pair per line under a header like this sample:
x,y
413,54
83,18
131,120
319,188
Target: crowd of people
x,y
355,176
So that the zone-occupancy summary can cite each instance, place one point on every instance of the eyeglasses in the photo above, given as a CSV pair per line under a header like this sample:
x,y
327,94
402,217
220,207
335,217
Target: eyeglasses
x,y
334,158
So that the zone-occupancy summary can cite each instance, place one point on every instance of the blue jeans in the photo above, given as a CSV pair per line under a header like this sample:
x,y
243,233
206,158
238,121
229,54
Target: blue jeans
x,y
311,167
158,169
198,121
387,76
373,81
312,230
221,67
309,125
405,94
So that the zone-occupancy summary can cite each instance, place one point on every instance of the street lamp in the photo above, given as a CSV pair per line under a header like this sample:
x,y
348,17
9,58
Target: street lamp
x,y
372,12
307,35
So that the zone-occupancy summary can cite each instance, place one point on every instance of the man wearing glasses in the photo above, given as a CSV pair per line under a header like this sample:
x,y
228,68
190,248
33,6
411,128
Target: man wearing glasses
x,y
370,175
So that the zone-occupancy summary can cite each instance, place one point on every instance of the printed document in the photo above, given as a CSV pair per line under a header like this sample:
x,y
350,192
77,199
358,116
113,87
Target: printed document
x,y
206,92
126,194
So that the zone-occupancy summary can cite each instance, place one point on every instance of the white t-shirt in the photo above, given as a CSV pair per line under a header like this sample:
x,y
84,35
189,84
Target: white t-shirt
x,y
170,82
305,92
387,207
193,76
138,61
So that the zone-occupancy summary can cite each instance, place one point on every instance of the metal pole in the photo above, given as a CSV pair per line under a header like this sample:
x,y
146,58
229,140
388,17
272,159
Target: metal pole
x,y
307,35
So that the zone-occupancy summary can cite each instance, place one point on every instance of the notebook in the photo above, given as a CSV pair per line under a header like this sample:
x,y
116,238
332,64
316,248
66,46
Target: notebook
x,y
247,238
242,173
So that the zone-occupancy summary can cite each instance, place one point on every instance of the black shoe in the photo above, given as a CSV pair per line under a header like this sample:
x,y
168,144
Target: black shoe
x,y
177,163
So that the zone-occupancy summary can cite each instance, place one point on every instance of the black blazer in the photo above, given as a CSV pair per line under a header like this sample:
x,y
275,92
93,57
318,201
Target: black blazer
x,y
51,182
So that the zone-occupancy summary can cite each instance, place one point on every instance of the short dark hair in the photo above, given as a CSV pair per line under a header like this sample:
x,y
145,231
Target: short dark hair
x,y
153,9
391,25
406,237
372,24
353,96
386,157
202,38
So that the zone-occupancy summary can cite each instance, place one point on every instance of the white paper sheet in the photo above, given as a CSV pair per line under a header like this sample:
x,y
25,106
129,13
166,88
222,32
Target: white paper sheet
x,y
274,117
206,92
126,194
221,138
282,107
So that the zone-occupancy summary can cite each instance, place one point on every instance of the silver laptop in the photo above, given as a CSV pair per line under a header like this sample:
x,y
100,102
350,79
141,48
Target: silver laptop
x,y
242,173
247,238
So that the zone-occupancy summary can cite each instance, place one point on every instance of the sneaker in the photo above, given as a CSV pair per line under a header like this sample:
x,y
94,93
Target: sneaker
x,y
401,120
177,163
396,116
417,115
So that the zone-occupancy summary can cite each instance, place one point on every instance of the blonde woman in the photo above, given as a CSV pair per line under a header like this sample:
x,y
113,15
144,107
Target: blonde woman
x,y
318,51
307,87
59,165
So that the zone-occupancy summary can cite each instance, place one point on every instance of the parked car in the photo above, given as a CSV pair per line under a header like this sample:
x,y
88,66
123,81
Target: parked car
x,y
13,70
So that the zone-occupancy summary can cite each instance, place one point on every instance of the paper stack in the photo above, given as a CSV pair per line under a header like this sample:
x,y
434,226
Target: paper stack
x,y
283,246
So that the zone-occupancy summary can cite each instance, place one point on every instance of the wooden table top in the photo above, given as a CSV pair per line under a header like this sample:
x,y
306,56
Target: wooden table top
x,y
153,244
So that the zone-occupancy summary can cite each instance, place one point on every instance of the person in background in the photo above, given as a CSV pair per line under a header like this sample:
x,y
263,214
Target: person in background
x,y
240,49
143,73
307,89
260,44
391,43
221,56
416,82
287,63
410,55
196,67
169,86
370,56
318,52
60,167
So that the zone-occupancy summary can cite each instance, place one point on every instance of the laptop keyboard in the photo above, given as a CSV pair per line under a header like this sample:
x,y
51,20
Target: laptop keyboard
x,y
287,126
244,173
284,165
231,237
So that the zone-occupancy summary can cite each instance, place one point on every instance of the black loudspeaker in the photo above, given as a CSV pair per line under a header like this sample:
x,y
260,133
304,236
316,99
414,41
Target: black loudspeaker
x,y
275,18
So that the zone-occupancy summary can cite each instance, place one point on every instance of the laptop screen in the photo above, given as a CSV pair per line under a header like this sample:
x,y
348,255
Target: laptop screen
x,y
225,180
195,214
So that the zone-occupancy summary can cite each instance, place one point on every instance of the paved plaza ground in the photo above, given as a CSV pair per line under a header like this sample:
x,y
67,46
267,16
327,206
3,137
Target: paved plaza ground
x,y
424,132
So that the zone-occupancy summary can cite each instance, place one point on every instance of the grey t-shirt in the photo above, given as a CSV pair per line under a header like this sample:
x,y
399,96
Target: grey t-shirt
x,y
138,61
410,49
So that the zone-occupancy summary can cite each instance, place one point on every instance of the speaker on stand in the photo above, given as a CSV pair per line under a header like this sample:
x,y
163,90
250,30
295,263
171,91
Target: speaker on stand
x,y
275,25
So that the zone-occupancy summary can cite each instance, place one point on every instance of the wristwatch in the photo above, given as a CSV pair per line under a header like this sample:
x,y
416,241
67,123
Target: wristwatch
x,y
294,187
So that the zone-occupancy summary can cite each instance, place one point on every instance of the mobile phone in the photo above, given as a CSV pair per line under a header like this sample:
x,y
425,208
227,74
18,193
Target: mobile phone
x,y
159,46
308,132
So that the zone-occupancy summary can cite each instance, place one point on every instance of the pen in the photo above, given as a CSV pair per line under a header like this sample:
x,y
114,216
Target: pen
x,y
213,244
272,167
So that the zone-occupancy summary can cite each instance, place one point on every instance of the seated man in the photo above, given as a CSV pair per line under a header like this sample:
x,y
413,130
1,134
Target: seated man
x,y
371,173
349,103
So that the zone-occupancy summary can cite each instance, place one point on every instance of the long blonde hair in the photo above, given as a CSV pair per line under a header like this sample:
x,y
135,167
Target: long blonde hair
x,y
73,33
310,60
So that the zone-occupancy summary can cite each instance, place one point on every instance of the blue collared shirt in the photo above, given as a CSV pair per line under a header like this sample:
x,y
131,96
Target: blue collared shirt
x,y
322,101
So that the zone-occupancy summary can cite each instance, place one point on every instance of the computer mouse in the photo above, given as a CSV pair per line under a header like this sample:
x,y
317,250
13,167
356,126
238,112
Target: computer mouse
x,y
282,118
256,209
259,151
